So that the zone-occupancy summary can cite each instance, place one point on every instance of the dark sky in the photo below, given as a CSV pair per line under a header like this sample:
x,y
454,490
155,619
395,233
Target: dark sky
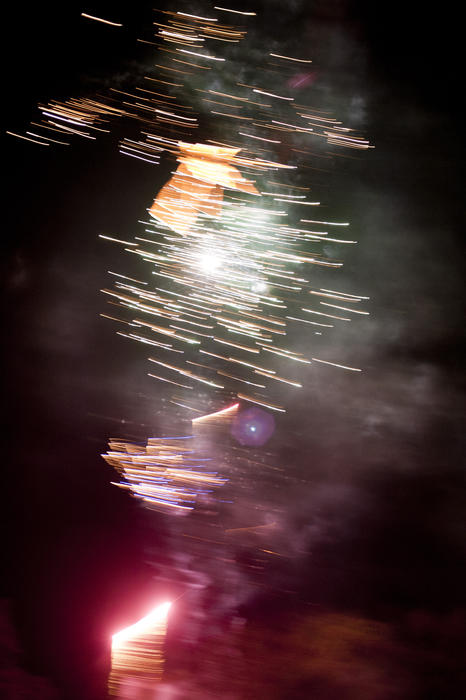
x,y
370,507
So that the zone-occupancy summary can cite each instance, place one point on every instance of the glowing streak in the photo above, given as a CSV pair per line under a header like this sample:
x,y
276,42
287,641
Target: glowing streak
x,y
319,313
72,131
334,364
186,373
99,19
132,155
352,296
116,240
344,308
288,58
205,19
292,126
47,138
258,138
40,143
326,223
312,323
162,379
143,626
223,412
279,379
271,94
201,55
261,403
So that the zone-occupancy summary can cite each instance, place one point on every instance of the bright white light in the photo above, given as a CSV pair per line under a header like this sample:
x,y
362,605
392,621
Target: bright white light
x,y
209,262
143,626
259,287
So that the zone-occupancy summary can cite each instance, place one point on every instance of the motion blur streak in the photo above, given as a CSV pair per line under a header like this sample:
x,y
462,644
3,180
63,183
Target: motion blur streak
x,y
165,474
137,654
218,414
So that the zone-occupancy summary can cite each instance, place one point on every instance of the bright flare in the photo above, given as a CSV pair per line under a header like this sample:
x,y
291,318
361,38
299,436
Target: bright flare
x,y
137,654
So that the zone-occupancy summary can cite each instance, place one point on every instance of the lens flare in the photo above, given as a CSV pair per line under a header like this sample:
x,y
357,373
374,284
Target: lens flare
x,y
253,427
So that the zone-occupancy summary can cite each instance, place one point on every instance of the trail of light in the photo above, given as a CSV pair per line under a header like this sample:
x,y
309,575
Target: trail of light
x,y
251,399
143,626
40,143
217,414
353,296
289,58
205,19
344,308
99,19
334,364
271,94
166,470
137,653
237,12
116,240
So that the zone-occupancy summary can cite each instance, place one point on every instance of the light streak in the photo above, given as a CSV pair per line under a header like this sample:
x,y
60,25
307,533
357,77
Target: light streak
x,y
40,143
117,240
237,12
201,55
137,653
345,308
144,626
289,58
46,138
325,223
217,414
205,19
99,19
271,94
251,399
334,364
352,296
166,470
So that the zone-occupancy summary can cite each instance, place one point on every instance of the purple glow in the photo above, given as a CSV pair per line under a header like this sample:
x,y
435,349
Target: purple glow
x,y
253,427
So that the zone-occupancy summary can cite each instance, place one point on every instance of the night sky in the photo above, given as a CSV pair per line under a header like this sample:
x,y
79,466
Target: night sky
x,y
366,596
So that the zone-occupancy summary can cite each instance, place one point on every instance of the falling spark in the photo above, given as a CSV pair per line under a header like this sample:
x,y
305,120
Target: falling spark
x,y
237,12
217,414
289,58
99,19
334,364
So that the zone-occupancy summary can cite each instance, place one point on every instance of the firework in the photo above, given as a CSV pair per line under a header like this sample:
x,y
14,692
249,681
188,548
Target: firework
x,y
137,655
165,474
217,302
225,264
